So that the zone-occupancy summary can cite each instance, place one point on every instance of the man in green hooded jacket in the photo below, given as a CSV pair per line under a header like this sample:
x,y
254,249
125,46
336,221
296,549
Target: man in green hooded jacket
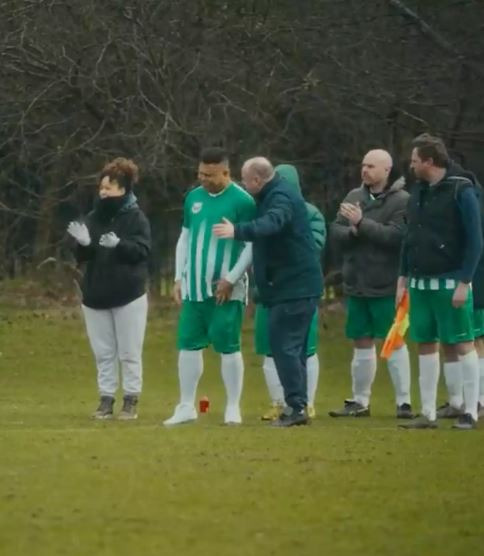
x,y
261,336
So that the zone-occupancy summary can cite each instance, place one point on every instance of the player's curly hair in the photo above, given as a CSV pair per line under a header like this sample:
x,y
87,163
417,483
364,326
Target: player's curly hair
x,y
123,170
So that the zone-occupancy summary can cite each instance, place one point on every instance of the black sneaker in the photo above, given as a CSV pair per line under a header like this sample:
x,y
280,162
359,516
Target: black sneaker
x,y
291,418
447,411
421,422
105,409
465,423
404,411
351,408
128,412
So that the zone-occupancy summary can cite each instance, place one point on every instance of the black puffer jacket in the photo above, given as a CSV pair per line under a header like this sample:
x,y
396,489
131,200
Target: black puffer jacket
x,y
115,277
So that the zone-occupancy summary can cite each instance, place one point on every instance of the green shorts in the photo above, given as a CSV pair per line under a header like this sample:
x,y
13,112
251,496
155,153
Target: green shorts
x,y
369,317
261,333
478,321
204,322
433,318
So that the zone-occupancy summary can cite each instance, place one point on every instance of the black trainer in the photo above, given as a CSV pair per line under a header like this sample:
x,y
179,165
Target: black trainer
x,y
351,408
291,418
465,423
447,411
128,411
105,408
421,422
404,411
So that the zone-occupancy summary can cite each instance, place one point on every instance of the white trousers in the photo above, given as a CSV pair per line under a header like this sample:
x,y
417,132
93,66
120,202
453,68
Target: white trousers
x,y
116,337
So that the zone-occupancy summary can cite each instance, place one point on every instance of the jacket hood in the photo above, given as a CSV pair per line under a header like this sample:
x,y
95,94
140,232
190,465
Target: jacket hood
x,y
455,169
396,185
290,174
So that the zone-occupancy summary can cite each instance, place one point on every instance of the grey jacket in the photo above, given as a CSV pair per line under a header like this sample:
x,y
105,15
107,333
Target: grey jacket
x,y
371,258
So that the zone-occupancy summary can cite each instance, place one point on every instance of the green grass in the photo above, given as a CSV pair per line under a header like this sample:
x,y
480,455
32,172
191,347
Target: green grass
x,y
72,486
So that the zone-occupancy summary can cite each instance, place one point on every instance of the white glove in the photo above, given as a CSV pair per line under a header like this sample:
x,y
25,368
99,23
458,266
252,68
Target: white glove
x,y
80,233
109,240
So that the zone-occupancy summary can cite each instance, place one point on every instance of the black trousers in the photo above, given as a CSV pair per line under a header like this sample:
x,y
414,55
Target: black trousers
x,y
289,324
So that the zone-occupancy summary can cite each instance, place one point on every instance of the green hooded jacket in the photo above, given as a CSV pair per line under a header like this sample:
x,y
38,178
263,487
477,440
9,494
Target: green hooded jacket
x,y
316,219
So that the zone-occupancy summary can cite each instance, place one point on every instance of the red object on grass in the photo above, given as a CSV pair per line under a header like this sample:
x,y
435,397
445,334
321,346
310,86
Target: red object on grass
x,y
204,404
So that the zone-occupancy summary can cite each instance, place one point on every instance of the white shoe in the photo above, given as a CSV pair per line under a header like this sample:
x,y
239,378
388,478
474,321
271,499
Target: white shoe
x,y
232,415
184,413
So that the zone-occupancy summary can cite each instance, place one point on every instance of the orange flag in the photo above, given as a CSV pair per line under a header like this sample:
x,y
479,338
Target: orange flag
x,y
396,335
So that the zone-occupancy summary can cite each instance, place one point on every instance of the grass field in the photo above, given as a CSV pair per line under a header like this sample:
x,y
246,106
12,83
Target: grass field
x,y
71,486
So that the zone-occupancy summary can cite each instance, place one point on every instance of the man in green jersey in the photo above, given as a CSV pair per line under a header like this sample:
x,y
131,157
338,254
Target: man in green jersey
x,y
211,285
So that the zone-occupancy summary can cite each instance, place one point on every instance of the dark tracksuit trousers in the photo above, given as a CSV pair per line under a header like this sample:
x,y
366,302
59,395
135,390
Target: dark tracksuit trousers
x,y
289,324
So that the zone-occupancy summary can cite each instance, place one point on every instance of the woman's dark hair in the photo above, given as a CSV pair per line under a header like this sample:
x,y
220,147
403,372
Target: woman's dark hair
x,y
122,170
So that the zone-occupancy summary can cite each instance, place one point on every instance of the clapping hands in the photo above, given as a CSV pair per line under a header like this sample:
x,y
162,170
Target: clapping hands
x,y
109,240
80,233
352,213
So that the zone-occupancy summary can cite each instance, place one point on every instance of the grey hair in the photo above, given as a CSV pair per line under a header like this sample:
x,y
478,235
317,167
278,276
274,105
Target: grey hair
x,y
260,166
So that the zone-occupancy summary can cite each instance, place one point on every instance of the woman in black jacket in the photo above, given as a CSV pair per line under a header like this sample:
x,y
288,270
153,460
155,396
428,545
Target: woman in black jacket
x,y
115,243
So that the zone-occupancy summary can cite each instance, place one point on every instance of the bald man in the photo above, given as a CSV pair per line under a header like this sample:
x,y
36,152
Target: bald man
x,y
287,274
369,231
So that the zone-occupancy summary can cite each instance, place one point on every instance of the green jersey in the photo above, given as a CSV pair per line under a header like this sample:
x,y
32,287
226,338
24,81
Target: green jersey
x,y
210,258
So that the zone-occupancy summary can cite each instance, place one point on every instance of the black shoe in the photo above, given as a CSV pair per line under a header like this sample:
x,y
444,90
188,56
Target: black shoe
x,y
421,422
447,411
105,409
404,411
465,423
291,418
351,408
128,412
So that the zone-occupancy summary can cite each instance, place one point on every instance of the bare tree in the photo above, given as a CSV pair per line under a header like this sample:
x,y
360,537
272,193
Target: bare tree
x,y
314,83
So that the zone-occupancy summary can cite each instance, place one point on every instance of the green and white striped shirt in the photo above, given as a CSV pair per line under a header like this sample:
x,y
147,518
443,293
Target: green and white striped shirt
x,y
210,258
432,283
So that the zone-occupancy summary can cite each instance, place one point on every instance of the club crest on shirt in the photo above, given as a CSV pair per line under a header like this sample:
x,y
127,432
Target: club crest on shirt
x,y
197,207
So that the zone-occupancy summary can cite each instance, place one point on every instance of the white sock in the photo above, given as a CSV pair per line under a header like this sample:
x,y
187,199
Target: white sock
x,y
363,371
453,381
274,386
190,369
470,376
429,370
233,376
399,369
481,382
312,365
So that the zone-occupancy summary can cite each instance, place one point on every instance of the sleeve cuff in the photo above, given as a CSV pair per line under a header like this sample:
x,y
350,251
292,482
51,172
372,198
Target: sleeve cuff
x,y
238,232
